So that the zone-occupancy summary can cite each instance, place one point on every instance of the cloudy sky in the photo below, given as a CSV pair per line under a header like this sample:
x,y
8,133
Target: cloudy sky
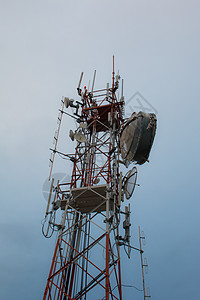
x,y
44,47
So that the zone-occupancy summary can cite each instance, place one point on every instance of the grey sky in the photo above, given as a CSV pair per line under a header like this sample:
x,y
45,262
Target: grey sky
x,y
44,47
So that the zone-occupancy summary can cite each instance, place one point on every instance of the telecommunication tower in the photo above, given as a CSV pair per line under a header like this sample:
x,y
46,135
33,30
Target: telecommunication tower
x,y
86,260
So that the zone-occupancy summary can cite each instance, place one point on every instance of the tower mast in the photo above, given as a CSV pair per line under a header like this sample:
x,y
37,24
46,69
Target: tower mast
x,y
73,274
86,260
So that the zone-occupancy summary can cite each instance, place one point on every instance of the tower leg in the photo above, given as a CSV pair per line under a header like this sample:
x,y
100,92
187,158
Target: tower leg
x,y
107,249
107,266
120,283
51,270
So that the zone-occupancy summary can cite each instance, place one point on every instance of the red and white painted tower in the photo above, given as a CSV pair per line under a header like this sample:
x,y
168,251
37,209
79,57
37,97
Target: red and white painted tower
x,y
86,261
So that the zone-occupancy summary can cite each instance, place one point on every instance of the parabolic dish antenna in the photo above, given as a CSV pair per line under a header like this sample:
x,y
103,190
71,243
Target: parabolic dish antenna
x,y
130,182
136,137
68,102
80,137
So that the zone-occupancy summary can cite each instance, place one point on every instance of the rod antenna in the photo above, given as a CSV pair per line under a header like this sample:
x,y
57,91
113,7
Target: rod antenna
x,y
122,94
93,81
80,81
113,78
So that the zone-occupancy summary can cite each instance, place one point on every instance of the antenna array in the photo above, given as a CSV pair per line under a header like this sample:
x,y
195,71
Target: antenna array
x,y
91,202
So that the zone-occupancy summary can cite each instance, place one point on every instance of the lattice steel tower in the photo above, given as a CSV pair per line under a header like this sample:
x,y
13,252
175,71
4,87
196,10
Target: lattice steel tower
x,y
86,261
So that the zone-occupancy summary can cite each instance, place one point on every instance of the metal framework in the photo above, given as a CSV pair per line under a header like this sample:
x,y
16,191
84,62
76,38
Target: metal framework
x,y
86,261
90,203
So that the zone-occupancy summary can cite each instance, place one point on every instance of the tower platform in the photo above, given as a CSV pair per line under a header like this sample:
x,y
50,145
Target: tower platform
x,y
88,199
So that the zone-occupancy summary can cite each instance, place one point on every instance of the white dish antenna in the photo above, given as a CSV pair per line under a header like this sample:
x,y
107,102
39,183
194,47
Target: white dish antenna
x,y
80,137
130,182
69,102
